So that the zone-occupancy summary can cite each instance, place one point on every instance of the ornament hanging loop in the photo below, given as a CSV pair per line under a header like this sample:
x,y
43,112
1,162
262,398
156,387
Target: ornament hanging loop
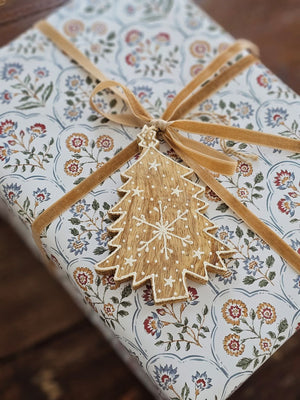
x,y
147,137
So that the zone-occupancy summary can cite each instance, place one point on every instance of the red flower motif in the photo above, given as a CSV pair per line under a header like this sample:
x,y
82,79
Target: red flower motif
x,y
265,344
232,345
262,80
83,277
266,312
153,325
193,296
73,168
73,27
211,195
162,38
199,48
105,143
171,153
196,69
132,59
242,193
284,179
7,127
108,280
286,206
133,37
148,295
233,311
76,141
109,309
244,168
161,311
3,153
37,130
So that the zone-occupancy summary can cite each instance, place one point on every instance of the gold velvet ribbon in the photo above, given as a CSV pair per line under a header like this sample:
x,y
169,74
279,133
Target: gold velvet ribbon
x,y
196,155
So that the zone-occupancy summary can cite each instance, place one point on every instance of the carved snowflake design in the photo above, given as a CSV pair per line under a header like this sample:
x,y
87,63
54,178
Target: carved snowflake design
x,y
163,230
160,233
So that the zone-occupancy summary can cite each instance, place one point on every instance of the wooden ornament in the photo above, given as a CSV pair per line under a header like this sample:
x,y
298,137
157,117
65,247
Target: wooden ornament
x,y
160,232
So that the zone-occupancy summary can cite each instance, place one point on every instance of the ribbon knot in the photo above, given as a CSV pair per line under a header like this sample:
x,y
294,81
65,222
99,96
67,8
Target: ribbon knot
x,y
159,124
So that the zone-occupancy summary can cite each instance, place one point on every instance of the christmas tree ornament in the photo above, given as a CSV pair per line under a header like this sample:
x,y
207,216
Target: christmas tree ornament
x,y
160,233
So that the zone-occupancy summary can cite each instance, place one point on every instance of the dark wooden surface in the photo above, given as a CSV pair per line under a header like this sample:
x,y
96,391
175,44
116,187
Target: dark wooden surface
x,y
48,350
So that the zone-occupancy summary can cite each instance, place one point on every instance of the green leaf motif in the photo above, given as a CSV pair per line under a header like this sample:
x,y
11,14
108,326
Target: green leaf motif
x,y
263,283
283,326
250,233
248,280
239,233
99,250
106,206
272,275
74,231
95,205
222,104
258,178
123,313
74,221
244,363
185,392
126,291
270,261
222,207
47,92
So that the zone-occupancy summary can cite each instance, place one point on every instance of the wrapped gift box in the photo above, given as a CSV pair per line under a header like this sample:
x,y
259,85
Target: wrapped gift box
x,y
50,140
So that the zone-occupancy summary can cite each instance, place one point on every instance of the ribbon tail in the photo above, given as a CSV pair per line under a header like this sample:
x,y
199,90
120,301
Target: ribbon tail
x,y
238,134
260,228
202,154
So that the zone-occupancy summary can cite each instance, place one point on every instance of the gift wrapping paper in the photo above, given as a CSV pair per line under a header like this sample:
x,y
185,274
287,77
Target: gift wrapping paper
x,y
50,140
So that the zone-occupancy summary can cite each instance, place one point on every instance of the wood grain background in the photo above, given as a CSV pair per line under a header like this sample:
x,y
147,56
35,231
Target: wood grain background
x,y
48,349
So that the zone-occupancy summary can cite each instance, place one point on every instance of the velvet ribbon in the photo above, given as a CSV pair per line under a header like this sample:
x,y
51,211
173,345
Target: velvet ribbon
x,y
201,158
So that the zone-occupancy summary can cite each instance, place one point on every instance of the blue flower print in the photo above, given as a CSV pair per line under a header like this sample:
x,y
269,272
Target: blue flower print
x,y
253,264
77,246
208,106
41,195
201,381
74,82
73,113
224,233
5,153
80,208
165,376
229,276
12,192
297,283
143,92
11,71
102,237
5,97
296,245
41,73
276,116
244,110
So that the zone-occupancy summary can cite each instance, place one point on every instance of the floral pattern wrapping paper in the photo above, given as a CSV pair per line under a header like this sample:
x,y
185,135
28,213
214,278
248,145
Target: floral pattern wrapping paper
x,y
50,140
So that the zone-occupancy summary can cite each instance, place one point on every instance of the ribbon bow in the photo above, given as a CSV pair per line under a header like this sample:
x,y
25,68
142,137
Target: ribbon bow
x,y
198,156
170,121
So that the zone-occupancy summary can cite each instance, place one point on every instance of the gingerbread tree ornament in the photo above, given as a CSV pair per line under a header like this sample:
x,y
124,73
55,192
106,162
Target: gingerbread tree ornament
x,y
160,232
